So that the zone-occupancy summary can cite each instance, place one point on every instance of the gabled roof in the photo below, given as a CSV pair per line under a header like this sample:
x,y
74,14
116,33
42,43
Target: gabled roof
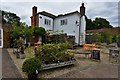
x,y
61,15
47,14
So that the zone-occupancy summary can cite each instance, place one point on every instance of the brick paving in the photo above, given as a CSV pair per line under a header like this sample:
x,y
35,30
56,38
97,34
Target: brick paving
x,y
9,70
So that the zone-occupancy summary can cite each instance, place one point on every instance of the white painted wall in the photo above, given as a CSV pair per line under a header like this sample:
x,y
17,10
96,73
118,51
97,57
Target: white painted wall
x,y
82,30
42,24
1,39
71,28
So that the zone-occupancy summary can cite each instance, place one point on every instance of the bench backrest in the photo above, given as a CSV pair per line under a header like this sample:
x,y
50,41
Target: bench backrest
x,y
89,47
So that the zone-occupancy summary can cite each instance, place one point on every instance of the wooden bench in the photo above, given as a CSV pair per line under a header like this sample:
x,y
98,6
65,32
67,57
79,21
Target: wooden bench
x,y
84,53
87,49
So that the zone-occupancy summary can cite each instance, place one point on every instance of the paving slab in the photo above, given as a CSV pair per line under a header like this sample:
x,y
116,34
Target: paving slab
x,y
9,70
94,71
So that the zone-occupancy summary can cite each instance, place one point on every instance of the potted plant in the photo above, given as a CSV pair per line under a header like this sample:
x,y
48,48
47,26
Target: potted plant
x,y
31,67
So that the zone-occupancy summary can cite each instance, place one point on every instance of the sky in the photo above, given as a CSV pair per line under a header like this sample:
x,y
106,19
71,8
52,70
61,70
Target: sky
x,y
107,10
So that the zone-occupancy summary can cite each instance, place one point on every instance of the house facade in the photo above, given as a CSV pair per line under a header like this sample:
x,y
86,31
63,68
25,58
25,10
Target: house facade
x,y
1,36
74,23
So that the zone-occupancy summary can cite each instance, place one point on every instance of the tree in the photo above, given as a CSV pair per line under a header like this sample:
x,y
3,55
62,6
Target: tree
x,y
96,37
98,23
26,31
89,24
101,23
22,31
8,17
40,33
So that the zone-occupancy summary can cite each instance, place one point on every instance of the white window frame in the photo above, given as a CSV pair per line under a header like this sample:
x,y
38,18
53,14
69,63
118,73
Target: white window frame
x,y
63,22
47,22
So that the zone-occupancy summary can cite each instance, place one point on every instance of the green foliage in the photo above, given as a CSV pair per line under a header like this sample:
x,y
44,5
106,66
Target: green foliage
x,y
22,31
8,17
26,31
31,65
97,37
98,23
39,31
16,32
51,53
118,38
114,38
89,24
106,37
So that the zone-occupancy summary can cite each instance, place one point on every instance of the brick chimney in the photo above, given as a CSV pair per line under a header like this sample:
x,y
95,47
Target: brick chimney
x,y
82,10
34,10
35,17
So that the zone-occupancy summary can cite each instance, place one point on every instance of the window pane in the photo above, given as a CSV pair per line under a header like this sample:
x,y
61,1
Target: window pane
x,y
61,22
45,21
0,42
66,22
49,22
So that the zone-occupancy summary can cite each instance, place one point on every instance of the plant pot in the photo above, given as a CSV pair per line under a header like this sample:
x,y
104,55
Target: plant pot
x,y
33,76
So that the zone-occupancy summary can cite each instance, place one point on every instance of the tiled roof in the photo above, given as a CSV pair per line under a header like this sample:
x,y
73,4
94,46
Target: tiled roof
x,y
47,14
53,16
62,15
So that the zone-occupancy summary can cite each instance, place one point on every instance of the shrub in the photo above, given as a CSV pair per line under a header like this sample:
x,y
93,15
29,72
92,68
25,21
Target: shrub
x,y
31,65
118,38
39,31
51,53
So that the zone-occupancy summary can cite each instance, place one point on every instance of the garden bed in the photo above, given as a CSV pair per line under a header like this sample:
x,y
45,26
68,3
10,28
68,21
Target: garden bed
x,y
60,64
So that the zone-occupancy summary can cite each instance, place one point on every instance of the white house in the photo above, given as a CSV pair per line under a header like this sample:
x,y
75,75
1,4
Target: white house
x,y
74,23
1,36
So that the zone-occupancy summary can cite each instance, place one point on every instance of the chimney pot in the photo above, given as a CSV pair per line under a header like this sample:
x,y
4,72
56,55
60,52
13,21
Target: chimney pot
x,y
34,10
82,10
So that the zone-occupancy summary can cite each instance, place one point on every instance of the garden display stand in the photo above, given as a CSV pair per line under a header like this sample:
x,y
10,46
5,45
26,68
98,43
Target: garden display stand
x,y
19,53
56,65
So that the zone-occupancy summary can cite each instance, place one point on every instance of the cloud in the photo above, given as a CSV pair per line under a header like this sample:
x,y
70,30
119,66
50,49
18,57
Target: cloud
x,y
60,0
108,10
